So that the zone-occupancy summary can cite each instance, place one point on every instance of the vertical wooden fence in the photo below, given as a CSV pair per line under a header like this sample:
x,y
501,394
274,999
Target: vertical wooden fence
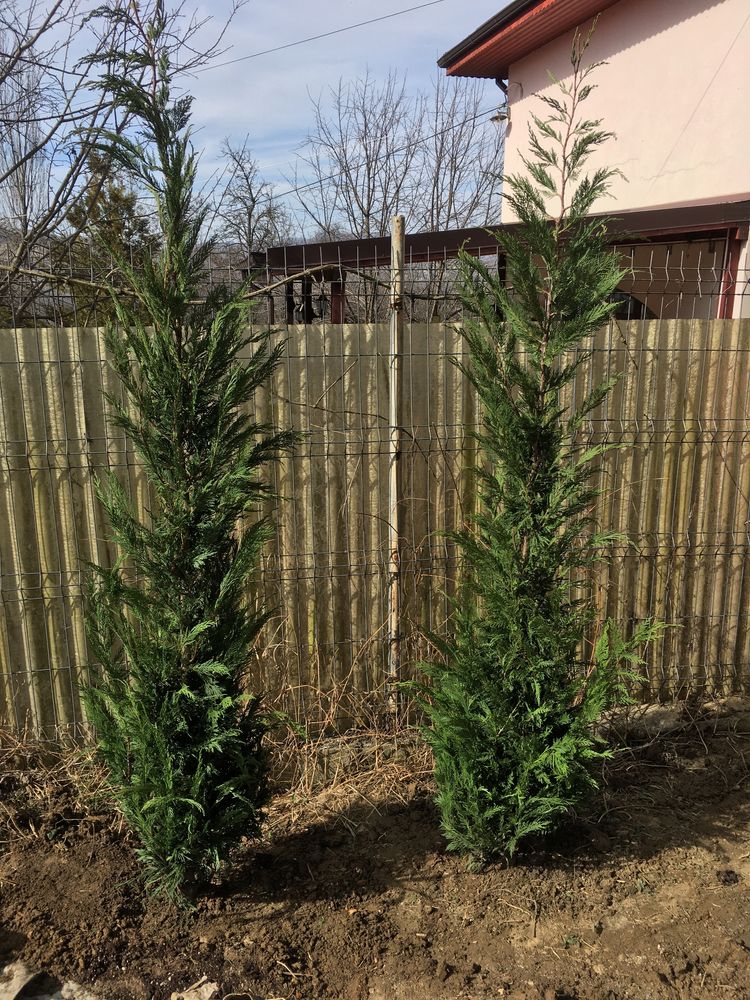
x,y
680,490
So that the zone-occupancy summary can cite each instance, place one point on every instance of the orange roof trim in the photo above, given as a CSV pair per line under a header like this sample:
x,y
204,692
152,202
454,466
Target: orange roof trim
x,y
492,56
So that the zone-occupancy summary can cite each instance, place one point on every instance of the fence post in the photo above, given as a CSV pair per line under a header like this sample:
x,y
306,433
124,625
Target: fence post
x,y
395,348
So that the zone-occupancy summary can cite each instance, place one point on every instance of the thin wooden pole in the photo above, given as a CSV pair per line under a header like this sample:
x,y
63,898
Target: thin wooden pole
x,y
395,348
338,298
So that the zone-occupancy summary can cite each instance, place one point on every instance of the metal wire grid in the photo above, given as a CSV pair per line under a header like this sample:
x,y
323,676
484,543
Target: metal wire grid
x,y
681,493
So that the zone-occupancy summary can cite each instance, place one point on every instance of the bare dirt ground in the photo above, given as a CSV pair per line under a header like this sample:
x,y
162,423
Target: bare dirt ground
x,y
352,895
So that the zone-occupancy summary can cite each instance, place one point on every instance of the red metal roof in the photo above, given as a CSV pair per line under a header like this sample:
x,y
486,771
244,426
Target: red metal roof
x,y
515,37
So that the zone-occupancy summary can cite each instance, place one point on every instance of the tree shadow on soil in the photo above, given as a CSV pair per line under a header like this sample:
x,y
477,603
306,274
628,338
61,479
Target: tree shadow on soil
x,y
362,850
680,790
677,791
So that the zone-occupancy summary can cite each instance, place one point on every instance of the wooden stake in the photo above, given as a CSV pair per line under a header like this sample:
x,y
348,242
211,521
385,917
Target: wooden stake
x,y
395,348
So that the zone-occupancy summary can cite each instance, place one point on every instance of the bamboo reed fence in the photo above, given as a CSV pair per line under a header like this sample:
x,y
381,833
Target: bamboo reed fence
x,y
680,491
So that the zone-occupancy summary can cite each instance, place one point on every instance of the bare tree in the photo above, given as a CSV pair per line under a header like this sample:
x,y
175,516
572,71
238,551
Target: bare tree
x,y
375,150
25,189
362,154
459,159
460,163
248,214
52,53
48,110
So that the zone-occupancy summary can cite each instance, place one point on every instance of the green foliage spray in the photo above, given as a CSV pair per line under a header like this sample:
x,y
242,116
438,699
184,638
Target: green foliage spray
x,y
170,623
511,705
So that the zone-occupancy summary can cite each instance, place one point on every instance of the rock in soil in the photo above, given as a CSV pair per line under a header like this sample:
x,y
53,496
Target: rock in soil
x,y
19,982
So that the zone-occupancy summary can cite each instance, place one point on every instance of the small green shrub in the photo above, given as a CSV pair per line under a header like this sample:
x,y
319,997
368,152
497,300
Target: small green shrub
x,y
511,704
170,623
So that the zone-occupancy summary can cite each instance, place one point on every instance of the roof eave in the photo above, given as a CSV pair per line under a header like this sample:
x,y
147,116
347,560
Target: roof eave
x,y
483,32
521,28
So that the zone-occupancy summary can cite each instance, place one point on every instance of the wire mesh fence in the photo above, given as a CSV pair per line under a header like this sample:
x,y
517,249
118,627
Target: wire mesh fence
x,y
680,489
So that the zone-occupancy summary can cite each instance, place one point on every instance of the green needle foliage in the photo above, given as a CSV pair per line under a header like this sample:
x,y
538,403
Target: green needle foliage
x,y
170,623
512,703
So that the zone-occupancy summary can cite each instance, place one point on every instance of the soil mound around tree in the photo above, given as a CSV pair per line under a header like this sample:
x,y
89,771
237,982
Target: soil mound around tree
x,y
351,894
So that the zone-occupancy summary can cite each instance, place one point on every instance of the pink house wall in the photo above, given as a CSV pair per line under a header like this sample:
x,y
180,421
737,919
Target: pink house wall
x,y
676,91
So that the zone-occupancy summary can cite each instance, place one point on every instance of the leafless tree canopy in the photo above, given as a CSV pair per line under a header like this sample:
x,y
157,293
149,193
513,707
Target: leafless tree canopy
x,y
45,109
460,158
247,213
51,112
375,150
24,190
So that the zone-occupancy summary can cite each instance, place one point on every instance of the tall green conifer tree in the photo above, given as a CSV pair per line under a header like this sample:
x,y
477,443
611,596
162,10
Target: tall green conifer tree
x,y
512,703
170,623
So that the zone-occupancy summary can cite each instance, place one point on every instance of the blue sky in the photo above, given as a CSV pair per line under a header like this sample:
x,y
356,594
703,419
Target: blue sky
x,y
268,98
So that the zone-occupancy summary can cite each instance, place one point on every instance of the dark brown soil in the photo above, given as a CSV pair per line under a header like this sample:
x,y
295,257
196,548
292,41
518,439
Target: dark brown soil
x,y
352,896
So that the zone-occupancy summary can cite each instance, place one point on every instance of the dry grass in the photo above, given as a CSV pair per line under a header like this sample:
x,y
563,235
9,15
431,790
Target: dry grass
x,y
321,772
318,771
47,786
